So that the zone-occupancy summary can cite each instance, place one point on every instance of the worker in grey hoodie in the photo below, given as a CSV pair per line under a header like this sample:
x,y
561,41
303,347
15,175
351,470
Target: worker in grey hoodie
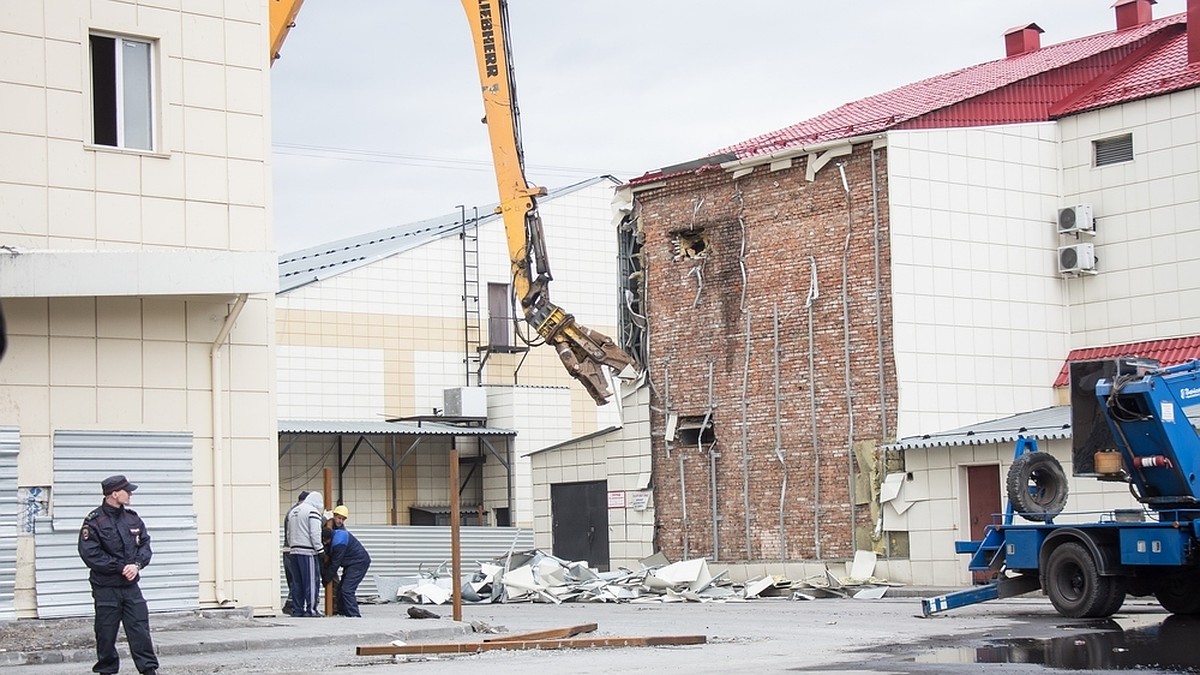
x,y
304,534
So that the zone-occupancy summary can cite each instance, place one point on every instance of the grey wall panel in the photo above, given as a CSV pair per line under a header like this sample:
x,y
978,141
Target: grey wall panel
x,y
10,444
401,551
161,464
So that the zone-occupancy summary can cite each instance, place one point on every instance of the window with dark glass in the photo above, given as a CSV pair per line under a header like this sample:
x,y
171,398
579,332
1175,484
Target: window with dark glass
x,y
122,92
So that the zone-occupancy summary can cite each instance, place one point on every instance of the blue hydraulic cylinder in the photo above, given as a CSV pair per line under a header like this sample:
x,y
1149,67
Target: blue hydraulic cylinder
x,y
1149,420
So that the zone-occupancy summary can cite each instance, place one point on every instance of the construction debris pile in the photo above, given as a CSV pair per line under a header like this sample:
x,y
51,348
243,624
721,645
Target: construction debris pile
x,y
537,576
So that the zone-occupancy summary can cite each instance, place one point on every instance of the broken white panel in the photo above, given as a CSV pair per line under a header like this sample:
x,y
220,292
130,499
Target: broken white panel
x,y
873,593
489,571
550,573
892,492
425,594
893,520
717,593
657,559
691,573
889,489
756,586
580,571
672,423
863,566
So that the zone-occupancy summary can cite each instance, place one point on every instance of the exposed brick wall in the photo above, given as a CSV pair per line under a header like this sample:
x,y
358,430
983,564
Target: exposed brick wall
x,y
698,321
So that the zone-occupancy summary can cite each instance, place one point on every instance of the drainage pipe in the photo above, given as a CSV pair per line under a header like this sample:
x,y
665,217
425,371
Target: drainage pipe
x,y
746,443
813,294
218,451
779,435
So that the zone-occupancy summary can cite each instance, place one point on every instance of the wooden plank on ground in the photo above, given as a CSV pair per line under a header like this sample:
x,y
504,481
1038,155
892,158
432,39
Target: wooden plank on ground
x,y
570,631
567,643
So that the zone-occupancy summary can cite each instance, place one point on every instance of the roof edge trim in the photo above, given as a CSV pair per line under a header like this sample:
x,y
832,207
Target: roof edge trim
x,y
789,153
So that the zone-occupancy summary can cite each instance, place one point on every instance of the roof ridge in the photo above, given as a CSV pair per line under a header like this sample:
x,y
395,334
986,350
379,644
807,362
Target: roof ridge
x,y
997,73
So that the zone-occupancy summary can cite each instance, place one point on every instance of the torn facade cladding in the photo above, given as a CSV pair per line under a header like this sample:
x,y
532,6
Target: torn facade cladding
x,y
754,333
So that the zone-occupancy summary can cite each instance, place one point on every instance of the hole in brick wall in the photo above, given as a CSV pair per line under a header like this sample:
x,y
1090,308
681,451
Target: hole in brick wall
x,y
690,245
695,431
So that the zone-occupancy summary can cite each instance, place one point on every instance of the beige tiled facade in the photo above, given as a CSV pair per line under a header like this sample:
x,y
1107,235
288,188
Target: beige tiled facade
x,y
122,267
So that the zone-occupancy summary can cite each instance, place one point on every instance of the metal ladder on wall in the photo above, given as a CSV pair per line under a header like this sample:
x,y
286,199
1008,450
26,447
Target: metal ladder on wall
x,y
472,322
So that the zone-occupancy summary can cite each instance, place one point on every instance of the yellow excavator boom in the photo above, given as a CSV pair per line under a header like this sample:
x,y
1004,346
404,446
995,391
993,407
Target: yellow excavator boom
x,y
283,17
583,351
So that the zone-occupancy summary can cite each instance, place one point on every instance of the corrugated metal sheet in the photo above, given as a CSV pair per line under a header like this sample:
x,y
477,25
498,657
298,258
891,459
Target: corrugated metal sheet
x,y
161,464
10,444
328,260
384,428
1167,352
403,551
1045,424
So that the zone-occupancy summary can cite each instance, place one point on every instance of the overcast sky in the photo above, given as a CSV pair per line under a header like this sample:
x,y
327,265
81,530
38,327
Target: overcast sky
x,y
376,105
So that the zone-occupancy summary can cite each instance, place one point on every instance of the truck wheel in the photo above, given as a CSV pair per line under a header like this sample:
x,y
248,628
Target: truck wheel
x,y
1178,591
1037,486
1076,589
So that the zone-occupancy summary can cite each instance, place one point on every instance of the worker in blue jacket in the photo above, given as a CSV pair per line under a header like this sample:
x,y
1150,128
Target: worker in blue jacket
x,y
345,553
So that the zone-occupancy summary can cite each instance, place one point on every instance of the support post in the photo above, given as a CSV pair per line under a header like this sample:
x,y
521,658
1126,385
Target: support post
x,y
455,524
328,486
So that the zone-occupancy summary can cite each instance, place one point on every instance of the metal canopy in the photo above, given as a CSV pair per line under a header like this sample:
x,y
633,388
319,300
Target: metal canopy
x,y
393,458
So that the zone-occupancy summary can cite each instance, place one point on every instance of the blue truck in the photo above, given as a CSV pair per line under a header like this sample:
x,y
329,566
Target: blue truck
x,y
1132,422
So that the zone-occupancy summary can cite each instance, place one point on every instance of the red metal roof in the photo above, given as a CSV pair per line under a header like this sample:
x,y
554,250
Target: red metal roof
x,y
1167,352
1131,64
1163,71
889,109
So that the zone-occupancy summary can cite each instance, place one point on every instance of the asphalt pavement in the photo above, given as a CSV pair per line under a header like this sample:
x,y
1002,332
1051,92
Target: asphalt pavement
x,y
226,631
1014,636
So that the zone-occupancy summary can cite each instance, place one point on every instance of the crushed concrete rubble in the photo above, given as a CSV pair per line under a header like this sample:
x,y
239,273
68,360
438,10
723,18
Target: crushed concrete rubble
x,y
537,576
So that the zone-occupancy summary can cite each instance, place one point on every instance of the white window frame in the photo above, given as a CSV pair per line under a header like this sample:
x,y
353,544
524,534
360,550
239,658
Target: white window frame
x,y
118,94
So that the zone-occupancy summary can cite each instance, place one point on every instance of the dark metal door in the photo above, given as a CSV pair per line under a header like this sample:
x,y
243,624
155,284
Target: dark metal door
x,y
983,503
579,512
499,316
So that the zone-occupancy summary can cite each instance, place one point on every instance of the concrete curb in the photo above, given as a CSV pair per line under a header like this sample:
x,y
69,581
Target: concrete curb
x,y
201,646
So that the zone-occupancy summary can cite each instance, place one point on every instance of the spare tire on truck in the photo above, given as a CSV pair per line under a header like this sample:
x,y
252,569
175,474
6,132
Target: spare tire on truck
x,y
1037,486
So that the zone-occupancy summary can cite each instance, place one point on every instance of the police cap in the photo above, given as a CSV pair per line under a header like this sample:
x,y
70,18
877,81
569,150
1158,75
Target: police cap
x,y
114,483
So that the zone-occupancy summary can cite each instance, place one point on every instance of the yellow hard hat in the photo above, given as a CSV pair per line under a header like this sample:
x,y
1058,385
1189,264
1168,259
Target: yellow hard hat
x,y
342,511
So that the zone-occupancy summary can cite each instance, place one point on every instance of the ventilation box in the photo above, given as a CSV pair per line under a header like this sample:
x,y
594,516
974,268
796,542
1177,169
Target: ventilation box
x,y
465,402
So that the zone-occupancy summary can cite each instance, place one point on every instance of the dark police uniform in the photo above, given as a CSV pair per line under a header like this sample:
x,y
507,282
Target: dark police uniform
x,y
110,539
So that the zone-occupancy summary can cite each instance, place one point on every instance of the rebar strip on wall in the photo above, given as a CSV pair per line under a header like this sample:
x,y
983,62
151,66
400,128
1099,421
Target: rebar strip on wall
x,y
742,250
779,434
879,327
687,551
883,421
813,294
746,442
846,355
682,479
712,466
737,195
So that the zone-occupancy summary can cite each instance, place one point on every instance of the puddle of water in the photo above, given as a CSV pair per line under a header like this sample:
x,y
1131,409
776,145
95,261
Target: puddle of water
x,y
1170,644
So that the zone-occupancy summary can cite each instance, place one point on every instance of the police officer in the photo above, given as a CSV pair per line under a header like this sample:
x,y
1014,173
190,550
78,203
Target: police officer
x,y
115,545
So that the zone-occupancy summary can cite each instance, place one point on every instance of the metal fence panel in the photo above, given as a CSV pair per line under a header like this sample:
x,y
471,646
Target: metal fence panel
x,y
10,444
161,464
405,550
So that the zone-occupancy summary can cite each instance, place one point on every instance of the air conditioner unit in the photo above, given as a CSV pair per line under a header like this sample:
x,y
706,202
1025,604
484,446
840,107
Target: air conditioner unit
x,y
1076,219
1077,259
